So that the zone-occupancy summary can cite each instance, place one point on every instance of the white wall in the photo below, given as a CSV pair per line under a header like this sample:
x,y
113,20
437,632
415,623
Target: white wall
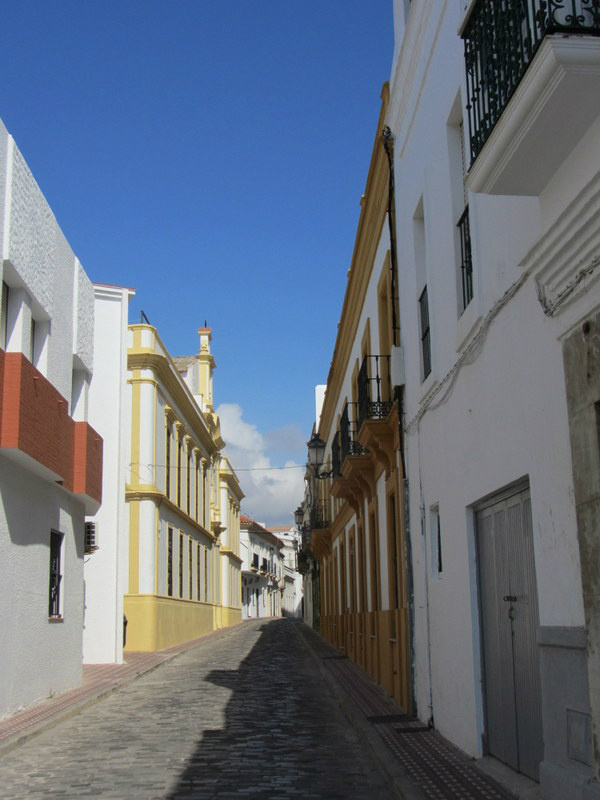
x,y
480,426
106,570
39,657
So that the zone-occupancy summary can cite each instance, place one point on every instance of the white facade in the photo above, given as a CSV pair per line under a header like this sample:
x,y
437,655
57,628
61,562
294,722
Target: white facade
x,y
292,600
50,460
106,569
262,571
492,413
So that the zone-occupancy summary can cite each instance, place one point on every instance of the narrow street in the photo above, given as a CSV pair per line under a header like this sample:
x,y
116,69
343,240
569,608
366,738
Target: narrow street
x,y
245,715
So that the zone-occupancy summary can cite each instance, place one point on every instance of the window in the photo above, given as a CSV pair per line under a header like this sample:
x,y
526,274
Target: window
x,y
374,563
425,334
466,262
180,560
204,493
190,570
206,573
198,562
436,542
54,604
197,497
170,562
179,475
168,462
188,483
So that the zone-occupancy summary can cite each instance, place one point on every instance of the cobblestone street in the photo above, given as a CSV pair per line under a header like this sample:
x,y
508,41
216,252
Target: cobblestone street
x,y
245,715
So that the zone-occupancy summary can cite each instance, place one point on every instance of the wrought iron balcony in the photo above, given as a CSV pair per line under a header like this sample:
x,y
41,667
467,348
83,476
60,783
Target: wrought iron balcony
x,y
319,515
374,389
501,39
348,445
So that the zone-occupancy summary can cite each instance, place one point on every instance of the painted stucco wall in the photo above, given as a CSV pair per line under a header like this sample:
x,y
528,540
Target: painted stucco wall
x,y
106,570
39,657
476,427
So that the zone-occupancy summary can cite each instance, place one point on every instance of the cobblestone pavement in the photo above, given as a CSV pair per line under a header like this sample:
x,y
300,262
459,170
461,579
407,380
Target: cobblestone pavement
x,y
246,715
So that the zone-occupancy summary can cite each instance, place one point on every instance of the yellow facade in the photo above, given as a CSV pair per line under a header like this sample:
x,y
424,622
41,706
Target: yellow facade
x,y
356,513
182,523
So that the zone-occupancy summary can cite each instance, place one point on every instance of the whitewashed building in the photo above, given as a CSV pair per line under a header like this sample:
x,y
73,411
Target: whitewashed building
x,y
292,599
107,565
50,457
262,570
496,142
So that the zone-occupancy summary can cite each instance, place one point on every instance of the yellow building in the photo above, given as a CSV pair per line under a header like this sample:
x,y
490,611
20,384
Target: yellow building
x,y
353,508
183,499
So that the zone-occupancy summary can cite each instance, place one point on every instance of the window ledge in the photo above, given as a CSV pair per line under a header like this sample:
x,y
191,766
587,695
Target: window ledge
x,y
56,619
467,325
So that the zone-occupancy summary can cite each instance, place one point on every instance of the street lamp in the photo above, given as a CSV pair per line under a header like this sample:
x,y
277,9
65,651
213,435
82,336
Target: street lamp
x,y
316,456
299,516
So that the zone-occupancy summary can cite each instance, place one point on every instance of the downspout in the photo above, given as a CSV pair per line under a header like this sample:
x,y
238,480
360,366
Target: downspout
x,y
388,145
387,139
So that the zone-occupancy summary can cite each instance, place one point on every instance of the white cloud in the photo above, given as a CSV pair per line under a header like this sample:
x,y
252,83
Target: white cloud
x,y
271,494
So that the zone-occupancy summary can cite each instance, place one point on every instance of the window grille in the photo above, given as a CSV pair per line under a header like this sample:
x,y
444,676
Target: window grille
x,y
425,333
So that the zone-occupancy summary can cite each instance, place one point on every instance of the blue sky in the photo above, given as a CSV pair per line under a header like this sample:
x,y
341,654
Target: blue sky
x,y
212,156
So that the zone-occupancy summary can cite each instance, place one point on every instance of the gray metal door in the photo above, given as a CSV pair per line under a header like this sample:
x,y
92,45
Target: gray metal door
x,y
509,622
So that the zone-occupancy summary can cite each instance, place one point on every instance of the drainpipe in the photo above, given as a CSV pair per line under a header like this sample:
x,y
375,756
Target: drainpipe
x,y
388,145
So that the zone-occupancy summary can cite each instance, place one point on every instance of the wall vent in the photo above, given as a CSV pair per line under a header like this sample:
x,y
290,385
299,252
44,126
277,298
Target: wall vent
x,y
91,537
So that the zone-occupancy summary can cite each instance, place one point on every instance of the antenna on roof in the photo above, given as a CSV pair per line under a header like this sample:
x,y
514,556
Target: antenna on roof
x,y
205,325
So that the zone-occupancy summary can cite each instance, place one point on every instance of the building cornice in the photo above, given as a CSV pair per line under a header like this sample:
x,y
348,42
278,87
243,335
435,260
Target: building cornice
x,y
167,376
140,492
368,236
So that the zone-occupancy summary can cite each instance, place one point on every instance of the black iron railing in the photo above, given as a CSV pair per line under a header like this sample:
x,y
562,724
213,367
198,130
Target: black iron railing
x,y
501,38
319,515
466,262
374,389
348,445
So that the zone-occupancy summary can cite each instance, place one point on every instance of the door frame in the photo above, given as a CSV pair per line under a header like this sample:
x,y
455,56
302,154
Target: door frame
x,y
512,489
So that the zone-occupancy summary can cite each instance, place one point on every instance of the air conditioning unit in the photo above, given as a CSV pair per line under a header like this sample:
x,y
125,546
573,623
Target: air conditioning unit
x,y
91,537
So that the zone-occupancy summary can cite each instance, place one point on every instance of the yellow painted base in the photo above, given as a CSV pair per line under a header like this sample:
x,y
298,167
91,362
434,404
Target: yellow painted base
x,y
231,616
154,623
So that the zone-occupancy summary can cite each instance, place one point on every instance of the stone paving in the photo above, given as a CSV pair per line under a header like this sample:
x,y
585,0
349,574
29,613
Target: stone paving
x,y
244,715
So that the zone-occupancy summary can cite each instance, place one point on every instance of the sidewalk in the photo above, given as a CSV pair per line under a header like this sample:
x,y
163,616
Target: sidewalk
x,y
99,680
417,760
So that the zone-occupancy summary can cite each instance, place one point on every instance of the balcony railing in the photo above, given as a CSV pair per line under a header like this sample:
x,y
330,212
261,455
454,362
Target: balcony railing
x,y
319,515
374,389
348,445
501,38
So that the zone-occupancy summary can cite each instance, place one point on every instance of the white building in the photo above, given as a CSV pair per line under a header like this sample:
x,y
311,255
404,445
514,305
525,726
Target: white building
x,y
262,570
292,600
107,568
497,176
50,458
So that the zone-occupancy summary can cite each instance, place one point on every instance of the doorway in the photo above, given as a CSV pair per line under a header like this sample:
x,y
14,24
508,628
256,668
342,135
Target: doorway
x,y
509,623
